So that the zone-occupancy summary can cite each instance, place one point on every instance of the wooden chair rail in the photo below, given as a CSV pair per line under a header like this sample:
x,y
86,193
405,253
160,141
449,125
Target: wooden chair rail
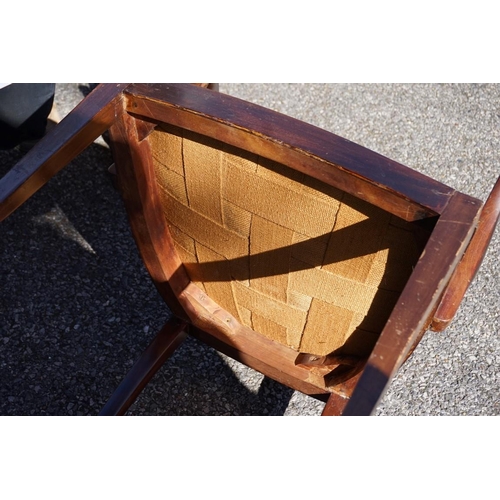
x,y
303,147
160,349
412,313
469,265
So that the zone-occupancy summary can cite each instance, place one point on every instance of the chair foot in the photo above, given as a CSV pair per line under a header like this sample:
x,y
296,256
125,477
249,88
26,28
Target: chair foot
x,y
161,348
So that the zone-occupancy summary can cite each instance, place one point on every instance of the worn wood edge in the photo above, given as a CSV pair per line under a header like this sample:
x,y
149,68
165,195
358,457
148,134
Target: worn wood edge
x,y
330,360
469,265
159,350
413,311
142,101
93,116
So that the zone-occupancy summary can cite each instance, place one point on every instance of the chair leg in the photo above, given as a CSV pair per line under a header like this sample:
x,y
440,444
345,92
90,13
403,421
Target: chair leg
x,y
161,348
334,406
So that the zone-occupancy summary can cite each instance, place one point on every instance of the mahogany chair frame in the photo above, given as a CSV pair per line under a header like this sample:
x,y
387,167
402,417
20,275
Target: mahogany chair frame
x,y
458,229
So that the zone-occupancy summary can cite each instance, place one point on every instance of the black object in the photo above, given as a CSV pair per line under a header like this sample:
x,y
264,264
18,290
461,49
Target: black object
x,y
24,108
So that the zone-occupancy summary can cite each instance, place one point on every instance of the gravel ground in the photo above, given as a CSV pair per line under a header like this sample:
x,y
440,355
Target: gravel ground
x,y
77,307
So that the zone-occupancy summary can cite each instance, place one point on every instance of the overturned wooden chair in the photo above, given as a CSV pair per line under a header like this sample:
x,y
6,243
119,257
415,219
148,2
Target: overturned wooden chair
x,y
309,258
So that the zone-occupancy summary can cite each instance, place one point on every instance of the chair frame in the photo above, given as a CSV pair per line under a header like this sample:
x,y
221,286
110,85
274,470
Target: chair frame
x,y
457,229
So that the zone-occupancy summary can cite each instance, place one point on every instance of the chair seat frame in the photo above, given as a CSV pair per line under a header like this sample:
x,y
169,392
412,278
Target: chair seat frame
x,y
457,229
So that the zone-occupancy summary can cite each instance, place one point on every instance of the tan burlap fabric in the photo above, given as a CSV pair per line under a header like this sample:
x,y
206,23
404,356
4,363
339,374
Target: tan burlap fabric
x,y
292,258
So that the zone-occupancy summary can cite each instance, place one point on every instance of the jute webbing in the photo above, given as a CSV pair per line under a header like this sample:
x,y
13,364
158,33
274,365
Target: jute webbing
x,y
292,258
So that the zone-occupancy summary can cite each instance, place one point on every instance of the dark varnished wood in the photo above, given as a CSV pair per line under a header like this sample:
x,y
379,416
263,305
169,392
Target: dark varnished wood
x,y
358,171
457,216
468,266
73,134
160,349
413,311
134,111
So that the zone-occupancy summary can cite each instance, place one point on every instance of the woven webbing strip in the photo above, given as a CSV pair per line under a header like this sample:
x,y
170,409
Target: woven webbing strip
x,y
292,258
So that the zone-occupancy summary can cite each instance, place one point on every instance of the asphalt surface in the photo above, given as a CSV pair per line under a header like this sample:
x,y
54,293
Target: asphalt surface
x,y
77,307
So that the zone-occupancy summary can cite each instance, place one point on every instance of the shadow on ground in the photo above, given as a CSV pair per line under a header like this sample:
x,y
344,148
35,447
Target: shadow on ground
x,y
78,308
